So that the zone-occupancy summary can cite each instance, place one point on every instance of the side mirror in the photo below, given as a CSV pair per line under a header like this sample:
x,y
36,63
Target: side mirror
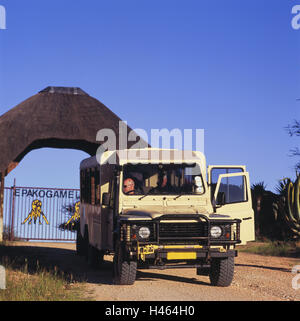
x,y
105,199
221,198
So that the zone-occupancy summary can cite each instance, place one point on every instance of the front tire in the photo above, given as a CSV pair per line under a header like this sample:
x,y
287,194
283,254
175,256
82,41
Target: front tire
x,y
124,270
221,271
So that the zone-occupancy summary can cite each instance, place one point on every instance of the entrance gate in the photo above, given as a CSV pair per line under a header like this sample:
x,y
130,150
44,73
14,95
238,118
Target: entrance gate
x,y
37,213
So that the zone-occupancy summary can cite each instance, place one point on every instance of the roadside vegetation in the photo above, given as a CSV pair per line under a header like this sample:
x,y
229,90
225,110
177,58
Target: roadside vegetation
x,y
273,248
28,280
41,286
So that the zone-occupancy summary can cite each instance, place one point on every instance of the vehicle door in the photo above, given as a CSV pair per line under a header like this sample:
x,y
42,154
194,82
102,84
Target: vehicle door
x,y
108,207
231,196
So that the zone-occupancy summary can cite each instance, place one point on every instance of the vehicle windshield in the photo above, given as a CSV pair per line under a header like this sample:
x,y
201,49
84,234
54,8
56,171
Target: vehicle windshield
x,y
162,179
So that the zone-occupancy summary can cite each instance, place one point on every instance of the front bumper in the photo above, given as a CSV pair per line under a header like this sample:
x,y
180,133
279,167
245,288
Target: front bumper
x,y
168,257
181,238
182,252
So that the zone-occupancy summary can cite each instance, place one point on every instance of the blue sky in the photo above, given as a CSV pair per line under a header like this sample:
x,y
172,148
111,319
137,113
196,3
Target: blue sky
x,y
229,67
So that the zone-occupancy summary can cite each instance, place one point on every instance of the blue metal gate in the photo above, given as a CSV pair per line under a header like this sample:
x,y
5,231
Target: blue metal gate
x,y
38,213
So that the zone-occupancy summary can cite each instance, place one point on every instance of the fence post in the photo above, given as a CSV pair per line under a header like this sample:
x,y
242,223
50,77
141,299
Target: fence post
x,y
1,204
11,233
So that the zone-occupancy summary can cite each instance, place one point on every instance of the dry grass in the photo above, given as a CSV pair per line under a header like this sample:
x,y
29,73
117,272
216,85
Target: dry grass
x,y
40,286
27,280
269,248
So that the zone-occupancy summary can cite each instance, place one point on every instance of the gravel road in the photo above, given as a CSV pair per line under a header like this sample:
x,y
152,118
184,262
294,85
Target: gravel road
x,y
256,278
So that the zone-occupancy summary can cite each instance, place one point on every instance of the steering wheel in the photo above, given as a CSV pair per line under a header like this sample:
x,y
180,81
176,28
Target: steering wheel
x,y
132,192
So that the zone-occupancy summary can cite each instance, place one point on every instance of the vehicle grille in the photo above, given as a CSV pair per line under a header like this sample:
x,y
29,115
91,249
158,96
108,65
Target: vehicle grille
x,y
177,231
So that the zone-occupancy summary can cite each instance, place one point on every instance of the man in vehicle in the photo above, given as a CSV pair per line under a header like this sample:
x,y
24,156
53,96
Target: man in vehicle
x,y
128,186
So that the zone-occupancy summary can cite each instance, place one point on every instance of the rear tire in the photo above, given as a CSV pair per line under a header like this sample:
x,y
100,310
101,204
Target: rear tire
x,y
95,257
124,270
79,244
221,271
85,243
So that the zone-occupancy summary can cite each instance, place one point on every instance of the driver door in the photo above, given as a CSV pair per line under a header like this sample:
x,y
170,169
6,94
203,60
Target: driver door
x,y
231,196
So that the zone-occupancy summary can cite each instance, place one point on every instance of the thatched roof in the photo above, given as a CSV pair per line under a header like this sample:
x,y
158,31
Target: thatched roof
x,y
58,117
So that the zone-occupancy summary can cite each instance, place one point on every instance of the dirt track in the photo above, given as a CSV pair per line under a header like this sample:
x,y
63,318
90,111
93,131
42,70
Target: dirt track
x,y
256,278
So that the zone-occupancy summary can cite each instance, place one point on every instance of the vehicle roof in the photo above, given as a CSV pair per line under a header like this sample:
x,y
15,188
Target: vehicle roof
x,y
145,155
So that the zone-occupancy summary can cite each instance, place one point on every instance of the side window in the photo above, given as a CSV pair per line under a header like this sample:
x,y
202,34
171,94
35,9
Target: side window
x,y
233,188
82,191
112,189
97,183
93,187
88,186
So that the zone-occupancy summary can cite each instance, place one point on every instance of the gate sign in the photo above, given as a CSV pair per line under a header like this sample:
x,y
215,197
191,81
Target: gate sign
x,y
34,213
49,193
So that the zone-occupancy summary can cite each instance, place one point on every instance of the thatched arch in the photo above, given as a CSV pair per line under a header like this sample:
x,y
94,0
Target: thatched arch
x,y
58,117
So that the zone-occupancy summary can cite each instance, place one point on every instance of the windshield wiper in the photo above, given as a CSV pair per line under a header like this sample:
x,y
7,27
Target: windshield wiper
x,y
179,195
150,190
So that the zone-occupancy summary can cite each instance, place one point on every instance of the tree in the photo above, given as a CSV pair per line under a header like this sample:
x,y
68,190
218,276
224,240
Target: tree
x,y
294,130
73,211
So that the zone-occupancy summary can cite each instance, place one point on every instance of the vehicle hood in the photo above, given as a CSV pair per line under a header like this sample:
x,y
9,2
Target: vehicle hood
x,y
153,212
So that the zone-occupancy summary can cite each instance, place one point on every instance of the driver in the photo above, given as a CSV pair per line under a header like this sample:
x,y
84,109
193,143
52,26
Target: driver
x,y
128,186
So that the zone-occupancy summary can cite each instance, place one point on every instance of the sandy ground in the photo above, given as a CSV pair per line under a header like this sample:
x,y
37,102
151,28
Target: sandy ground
x,y
257,278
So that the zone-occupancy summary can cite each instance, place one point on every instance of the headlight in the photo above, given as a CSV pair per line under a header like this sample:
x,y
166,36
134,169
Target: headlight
x,y
216,231
144,232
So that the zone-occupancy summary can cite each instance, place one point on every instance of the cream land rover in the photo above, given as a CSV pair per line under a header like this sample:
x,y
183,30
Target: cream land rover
x,y
163,209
